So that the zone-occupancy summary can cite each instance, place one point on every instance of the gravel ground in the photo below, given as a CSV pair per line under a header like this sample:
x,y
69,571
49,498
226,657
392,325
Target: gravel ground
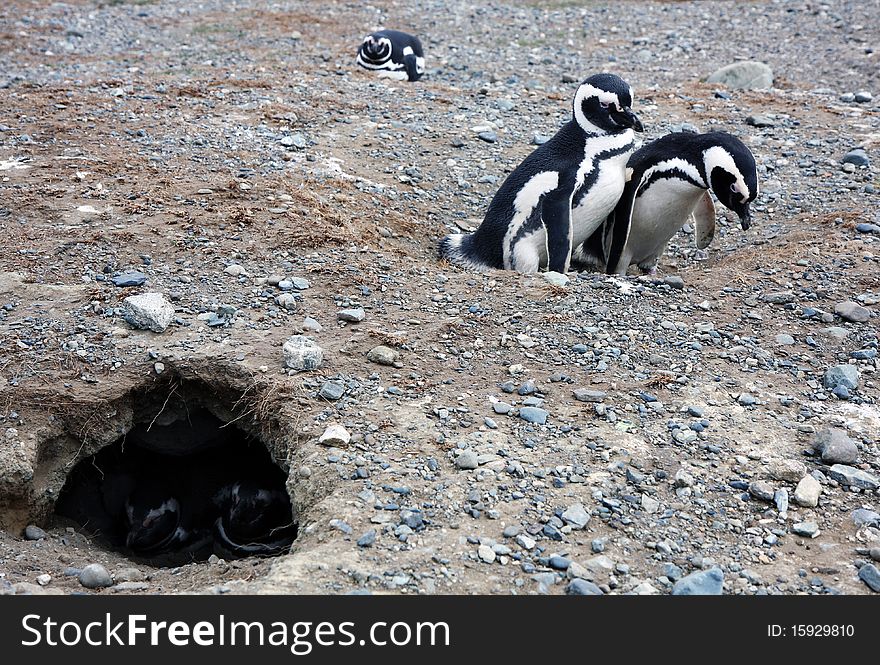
x,y
615,435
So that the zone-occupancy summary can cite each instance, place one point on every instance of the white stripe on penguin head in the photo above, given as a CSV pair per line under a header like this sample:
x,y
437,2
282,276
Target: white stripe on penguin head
x,y
585,92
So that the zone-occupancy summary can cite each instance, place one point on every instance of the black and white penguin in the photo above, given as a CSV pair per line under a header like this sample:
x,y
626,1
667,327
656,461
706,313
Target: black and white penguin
x,y
555,199
392,54
255,520
669,187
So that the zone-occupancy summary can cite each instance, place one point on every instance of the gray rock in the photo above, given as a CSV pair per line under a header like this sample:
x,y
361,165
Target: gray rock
x,y
760,121
835,446
701,583
806,529
368,539
302,353
841,375
129,278
331,390
488,137
807,492
533,414
579,587
780,498
865,227
784,340
129,575
148,311
335,435
467,459
762,490
863,97
743,75
787,470
852,311
95,576
33,532
555,278
310,325
576,515
540,139
848,475
557,562
745,399
856,157
486,553
874,553
865,517
355,315
382,355
870,576
584,395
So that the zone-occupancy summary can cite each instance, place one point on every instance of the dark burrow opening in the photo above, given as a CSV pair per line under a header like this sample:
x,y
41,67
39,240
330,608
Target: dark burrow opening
x,y
179,488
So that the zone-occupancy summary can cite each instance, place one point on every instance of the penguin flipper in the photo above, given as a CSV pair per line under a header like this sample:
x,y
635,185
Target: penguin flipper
x,y
703,218
410,63
620,223
556,216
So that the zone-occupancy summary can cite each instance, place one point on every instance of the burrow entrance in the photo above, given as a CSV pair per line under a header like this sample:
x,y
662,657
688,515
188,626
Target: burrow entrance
x,y
182,481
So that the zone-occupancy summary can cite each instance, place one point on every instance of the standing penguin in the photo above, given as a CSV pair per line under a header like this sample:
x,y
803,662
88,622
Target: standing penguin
x,y
560,193
392,54
670,183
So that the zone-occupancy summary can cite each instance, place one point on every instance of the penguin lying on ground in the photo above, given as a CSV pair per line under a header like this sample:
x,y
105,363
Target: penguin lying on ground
x,y
555,199
392,54
254,520
669,186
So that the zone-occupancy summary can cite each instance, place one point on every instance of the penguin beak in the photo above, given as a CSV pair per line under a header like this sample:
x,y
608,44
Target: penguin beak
x,y
745,216
626,118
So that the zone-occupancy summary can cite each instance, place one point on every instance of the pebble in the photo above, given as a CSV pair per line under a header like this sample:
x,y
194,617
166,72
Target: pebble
x,y
148,311
762,490
488,137
856,157
787,470
368,539
235,270
44,579
383,355
747,75
745,399
533,414
557,562
581,587
302,353
355,315
852,311
784,340
835,446
853,477
865,517
760,121
806,529
584,395
576,515
555,278
870,576
95,576
807,492
467,459
486,553
335,435
701,583
33,532
130,278
331,390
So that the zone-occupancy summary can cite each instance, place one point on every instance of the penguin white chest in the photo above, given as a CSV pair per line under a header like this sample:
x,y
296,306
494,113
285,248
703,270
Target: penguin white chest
x,y
603,194
659,213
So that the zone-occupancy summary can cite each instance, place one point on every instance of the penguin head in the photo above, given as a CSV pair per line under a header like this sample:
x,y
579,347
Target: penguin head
x,y
152,520
254,511
602,105
732,174
376,48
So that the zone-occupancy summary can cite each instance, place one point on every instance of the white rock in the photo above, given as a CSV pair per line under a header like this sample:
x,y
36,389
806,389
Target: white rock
x,y
148,311
335,435
301,352
807,492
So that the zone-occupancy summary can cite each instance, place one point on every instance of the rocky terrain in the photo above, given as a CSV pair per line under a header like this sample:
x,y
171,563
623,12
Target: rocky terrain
x,y
714,428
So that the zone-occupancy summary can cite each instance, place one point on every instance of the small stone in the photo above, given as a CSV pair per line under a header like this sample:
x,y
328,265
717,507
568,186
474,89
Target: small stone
x,y
467,459
576,515
302,353
787,470
780,498
854,477
95,576
650,504
852,311
310,325
784,340
865,227
368,539
874,553
701,583
355,315
525,542
383,355
870,576
760,121
555,278
841,375
807,492
533,414
594,396
805,529
862,97
33,532
129,575
486,553
44,579
762,490
488,137
856,157
747,75
557,562
540,139
331,390
580,587
745,399
835,446
335,435
148,311
865,517
129,278
235,270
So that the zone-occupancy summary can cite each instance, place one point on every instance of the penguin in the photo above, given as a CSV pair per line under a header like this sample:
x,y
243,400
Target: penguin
x,y
255,519
555,199
392,54
668,185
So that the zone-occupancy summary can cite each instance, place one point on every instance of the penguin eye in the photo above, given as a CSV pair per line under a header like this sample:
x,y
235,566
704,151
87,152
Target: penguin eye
x,y
734,189
604,105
